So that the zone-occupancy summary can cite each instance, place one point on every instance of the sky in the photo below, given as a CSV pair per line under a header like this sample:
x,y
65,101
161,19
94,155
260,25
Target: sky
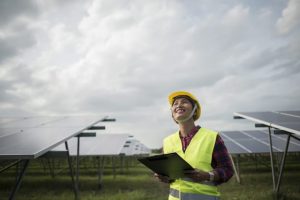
x,y
122,58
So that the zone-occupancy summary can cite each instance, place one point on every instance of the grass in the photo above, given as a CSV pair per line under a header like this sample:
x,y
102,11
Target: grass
x,y
137,183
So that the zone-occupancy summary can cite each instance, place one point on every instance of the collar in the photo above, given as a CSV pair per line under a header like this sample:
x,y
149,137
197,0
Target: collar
x,y
191,133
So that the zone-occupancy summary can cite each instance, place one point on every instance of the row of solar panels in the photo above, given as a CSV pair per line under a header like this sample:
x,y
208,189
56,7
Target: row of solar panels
x,y
45,133
256,141
31,137
286,123
106,145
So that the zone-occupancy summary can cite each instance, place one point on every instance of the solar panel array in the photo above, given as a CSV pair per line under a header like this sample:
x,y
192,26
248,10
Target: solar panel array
x,y
288,123
284,120
26,138
134,147
29,138
14,125
256,141
100,145
295,113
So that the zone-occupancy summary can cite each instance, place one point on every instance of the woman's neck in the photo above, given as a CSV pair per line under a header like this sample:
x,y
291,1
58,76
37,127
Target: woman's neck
x,y
186,127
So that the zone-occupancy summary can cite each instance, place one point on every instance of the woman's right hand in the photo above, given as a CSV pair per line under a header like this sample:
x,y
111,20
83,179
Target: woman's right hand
x,y
164,179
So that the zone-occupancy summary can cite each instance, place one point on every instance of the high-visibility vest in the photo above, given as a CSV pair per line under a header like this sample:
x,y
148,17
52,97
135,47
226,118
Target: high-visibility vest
x,y
199,155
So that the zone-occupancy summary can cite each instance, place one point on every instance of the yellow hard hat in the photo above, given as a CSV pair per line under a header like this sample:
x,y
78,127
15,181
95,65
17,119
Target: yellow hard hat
x,y
173,95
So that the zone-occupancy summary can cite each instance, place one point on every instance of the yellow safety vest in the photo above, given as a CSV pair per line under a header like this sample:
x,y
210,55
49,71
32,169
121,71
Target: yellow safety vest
x,y
199,155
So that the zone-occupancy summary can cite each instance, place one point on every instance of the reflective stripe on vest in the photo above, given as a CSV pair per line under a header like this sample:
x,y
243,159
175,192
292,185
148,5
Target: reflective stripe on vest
x,y
190,196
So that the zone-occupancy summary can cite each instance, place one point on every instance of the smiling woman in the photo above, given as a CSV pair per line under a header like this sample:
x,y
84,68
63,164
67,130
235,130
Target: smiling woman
x,y
202,148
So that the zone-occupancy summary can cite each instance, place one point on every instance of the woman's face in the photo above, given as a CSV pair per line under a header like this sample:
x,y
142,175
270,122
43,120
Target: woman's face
x,y
181,108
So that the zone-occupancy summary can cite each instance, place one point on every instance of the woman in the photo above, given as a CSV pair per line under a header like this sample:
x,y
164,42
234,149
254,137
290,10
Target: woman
x,y
202,148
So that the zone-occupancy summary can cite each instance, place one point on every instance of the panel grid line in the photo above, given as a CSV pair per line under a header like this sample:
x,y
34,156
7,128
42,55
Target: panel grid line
x,y
288,114
280,138
235,142
254,138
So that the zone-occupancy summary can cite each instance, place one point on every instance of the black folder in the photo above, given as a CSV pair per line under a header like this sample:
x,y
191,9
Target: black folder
x,y
171,165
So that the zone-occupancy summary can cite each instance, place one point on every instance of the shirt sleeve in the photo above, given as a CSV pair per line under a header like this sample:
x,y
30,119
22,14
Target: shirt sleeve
x,y
221,161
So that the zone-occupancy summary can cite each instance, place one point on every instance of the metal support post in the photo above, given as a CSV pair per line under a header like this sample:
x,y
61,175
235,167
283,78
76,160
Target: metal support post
x,y
71,172
100,170
19,180
271,158
235,171
283,162
77,162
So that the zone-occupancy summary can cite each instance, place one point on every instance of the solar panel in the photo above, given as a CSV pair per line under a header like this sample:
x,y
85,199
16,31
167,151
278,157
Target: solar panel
x,y
268,117
289,127
255,141
7,120
295,113
274,119
10,126
135,147
101,145
29,138
34,141
287,122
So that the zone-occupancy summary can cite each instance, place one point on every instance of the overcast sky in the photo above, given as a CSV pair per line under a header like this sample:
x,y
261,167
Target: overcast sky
x,y
122,58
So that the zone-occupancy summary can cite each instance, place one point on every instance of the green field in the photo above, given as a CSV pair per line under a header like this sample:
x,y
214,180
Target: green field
x,y
135,182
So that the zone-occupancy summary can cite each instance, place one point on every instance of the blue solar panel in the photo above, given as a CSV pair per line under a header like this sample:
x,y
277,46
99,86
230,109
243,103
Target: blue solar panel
x,y
283,122
16,125
268,117
255,141
295,113
288,122
37,138
100,145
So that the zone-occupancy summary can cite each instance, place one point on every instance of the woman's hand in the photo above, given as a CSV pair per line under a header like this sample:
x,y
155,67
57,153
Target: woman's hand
x,y
197,175
164,179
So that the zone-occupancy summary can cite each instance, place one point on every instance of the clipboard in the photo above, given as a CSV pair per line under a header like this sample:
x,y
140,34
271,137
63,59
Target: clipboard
x,y
171,165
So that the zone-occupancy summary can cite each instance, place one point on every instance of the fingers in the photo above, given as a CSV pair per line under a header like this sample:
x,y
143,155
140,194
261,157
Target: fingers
x,y
190,171
164,179
197,175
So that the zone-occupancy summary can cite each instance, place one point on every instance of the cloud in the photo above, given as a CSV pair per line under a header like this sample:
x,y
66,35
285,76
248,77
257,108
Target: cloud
x,y
16,33
12,10
290,17
123,58
236,16
12,44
